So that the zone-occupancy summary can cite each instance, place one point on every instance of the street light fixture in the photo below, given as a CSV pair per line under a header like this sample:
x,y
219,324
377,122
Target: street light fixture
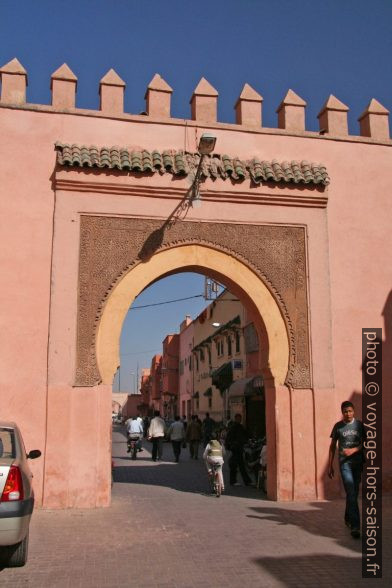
x,y
206,146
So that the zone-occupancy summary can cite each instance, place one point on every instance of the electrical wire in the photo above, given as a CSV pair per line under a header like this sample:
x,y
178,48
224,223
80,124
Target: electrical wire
x,y
141,352
166,302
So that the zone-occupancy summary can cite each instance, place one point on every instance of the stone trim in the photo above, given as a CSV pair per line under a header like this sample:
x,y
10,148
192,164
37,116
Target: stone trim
x,y
110,247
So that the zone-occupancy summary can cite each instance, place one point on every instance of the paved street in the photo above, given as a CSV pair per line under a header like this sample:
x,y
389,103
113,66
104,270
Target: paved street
x,y
164,530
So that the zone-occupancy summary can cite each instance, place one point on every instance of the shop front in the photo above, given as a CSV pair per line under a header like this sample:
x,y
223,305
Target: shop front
x,y
246,397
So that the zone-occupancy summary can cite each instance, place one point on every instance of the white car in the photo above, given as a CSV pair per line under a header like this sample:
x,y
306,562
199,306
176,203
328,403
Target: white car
x,y
16,496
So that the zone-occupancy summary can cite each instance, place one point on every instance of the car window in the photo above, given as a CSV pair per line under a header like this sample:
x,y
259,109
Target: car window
x,y
7,443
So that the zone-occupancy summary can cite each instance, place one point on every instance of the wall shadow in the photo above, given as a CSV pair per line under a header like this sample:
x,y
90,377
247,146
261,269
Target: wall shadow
x,y
321,519
180,477
321,570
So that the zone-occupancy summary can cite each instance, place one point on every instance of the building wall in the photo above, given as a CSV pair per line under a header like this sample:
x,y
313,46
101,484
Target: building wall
x,y
169,376
131,407
156,384
145,390
185,379
225,308
119,400
349,277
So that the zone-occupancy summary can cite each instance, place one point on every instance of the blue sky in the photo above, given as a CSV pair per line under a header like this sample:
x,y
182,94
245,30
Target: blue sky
x,y
315,47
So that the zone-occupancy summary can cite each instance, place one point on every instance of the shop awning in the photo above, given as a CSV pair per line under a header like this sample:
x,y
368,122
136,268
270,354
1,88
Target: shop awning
x,y
247,387
238,387
208,392
222,377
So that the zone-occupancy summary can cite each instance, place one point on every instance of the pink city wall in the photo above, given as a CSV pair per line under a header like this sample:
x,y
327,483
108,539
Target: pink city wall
x,y
348,254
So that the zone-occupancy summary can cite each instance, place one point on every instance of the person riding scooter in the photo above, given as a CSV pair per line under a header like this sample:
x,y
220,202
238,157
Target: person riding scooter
x,y
134,431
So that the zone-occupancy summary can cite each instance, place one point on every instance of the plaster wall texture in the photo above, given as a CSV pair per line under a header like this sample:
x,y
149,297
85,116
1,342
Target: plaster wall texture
x,y
131,405
348,260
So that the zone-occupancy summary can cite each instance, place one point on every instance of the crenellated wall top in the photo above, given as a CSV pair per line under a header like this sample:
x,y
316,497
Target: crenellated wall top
x,y
373,121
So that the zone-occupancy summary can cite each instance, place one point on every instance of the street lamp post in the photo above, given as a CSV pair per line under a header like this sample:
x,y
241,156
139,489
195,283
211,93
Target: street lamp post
x,y
133,386
119,378
206,146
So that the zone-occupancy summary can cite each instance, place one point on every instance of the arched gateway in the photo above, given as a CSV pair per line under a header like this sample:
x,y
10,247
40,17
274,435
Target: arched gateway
x,y
89,226
226,268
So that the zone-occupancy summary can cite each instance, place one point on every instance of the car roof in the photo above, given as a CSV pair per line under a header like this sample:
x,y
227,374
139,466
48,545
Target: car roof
x,y
8,425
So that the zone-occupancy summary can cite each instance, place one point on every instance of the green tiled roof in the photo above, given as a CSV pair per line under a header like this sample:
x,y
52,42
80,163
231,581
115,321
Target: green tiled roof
x,y
223,376
181,163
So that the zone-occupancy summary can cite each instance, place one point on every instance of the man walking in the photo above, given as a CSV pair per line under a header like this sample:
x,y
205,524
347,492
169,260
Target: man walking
x,y
207,429
349,435
156,434
176,434
193,435
235,441
184,422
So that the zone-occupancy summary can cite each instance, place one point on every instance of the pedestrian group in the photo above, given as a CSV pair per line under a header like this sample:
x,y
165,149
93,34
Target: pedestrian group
x,y
193,434
348,435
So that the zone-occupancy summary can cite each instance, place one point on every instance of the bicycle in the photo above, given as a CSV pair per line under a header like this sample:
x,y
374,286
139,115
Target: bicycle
x,y
215,479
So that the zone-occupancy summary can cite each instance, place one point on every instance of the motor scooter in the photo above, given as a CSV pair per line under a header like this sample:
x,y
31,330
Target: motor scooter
x,y
133,443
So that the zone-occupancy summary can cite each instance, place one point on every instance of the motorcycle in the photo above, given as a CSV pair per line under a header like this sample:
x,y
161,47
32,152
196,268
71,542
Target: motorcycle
x,y
133,445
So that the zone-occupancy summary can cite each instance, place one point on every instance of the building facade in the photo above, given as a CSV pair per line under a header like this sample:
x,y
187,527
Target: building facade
x,y
145,407
156,383
185,368
218,355
295,223
169,376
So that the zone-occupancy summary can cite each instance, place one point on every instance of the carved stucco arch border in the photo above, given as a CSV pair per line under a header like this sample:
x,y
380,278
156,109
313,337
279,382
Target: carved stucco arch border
x,y
112,247
172,257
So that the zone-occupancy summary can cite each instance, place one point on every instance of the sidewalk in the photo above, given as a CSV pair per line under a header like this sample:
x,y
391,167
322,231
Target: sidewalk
x,y
164,530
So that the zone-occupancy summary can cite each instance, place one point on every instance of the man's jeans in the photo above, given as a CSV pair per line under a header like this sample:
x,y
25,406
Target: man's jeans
x,y
194,448
351,476
177,449
157,448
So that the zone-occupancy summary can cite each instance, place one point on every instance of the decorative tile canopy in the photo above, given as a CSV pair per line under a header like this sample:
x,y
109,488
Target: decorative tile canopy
x,y
222,377
180,163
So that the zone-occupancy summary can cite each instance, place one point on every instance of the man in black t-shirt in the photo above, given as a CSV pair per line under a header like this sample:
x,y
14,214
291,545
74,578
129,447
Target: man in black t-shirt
x,y
235,440
349,434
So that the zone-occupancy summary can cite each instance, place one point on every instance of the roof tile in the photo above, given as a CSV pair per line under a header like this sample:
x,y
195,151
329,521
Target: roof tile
x,y
181,163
